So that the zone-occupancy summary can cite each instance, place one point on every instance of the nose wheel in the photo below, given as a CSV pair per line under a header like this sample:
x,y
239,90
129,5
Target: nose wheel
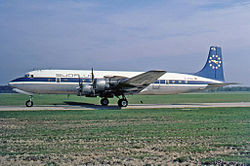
x,y
29,103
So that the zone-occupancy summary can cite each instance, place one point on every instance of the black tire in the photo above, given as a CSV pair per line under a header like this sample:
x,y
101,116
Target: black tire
x,y
29,103
104,101
122,103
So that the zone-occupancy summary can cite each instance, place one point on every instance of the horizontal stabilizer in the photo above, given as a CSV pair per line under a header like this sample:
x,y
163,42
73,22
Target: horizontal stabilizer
x,y
217,85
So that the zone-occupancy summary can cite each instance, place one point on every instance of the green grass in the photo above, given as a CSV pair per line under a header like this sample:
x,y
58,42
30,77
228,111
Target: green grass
x,y
131,137
19,99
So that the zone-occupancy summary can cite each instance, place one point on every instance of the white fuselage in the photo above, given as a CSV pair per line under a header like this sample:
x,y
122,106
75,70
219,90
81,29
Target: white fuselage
x,y
67,81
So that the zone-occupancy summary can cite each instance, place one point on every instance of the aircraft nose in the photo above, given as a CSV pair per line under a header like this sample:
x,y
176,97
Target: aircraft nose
x,y
12,83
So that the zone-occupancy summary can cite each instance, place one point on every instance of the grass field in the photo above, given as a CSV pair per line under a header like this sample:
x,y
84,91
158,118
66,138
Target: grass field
x,y
18,99
131,137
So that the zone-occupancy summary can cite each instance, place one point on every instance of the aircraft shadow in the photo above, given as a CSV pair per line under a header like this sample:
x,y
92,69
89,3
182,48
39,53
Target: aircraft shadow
x,y
92,106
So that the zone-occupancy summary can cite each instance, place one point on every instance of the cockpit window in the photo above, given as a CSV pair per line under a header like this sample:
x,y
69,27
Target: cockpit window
x,y
28,76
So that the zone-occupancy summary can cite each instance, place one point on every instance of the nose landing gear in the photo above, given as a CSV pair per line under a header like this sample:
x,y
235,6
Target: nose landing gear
x,y
29,103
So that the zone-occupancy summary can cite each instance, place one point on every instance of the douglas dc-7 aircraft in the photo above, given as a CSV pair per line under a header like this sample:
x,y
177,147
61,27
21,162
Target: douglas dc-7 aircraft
x,y
107,84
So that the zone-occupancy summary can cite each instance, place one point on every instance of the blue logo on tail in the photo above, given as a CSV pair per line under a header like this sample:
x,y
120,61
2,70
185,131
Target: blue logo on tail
x,y
214,66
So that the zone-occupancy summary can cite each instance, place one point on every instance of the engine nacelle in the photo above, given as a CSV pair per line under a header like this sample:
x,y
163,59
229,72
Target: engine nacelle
x,y
101,84
87,89
98,87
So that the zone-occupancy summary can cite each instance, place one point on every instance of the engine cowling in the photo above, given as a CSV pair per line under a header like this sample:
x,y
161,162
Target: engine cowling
x,y
87,89
101,84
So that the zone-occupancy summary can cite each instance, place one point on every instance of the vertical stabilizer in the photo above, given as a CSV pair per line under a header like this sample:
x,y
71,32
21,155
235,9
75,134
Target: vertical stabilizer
x,y
214,67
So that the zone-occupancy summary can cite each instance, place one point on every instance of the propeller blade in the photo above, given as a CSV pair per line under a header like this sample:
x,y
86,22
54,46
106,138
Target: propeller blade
x,y
92,74
80,86
79,80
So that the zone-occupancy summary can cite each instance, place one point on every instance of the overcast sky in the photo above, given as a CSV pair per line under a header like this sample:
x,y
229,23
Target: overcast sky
x,y
131,35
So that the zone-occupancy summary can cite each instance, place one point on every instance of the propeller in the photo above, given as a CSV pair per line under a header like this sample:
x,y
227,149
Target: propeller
x,y
93,79
80,86
92,74
80,82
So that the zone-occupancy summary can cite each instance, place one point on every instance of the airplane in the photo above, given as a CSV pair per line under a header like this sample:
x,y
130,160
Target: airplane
x,y
109,84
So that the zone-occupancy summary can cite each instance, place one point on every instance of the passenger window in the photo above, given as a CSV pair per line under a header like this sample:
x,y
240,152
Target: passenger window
x,y
58,80
162,81
157,82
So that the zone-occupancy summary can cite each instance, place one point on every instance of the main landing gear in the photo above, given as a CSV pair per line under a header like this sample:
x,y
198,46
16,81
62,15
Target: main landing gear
x,y
121,102
29,103
104,101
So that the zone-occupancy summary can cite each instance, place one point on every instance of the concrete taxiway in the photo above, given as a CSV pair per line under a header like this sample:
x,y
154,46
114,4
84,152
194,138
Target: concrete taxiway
x,y
79,106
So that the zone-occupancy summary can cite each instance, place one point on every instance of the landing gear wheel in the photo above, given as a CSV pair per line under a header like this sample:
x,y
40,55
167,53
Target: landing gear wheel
x,y
122,103
29,103
104,101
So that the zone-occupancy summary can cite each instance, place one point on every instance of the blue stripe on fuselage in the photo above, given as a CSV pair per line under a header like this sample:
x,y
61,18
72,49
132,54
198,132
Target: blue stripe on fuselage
x,y
88,80
49,79
40,79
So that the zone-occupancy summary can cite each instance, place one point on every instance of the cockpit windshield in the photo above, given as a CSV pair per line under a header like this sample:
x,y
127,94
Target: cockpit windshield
x,y
28,76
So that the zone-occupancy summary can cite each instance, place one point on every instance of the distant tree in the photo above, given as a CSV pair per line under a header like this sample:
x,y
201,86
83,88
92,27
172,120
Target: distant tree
x,y
230,89
6,89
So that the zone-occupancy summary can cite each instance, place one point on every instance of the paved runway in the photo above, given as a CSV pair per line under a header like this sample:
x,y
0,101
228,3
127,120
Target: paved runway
x,y
80,106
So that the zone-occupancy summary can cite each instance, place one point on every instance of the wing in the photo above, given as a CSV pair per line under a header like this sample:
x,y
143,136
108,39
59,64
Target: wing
x,y
115,78
139,82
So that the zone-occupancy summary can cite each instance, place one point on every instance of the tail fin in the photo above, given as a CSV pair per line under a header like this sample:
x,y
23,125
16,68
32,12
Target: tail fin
x,y
214,67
